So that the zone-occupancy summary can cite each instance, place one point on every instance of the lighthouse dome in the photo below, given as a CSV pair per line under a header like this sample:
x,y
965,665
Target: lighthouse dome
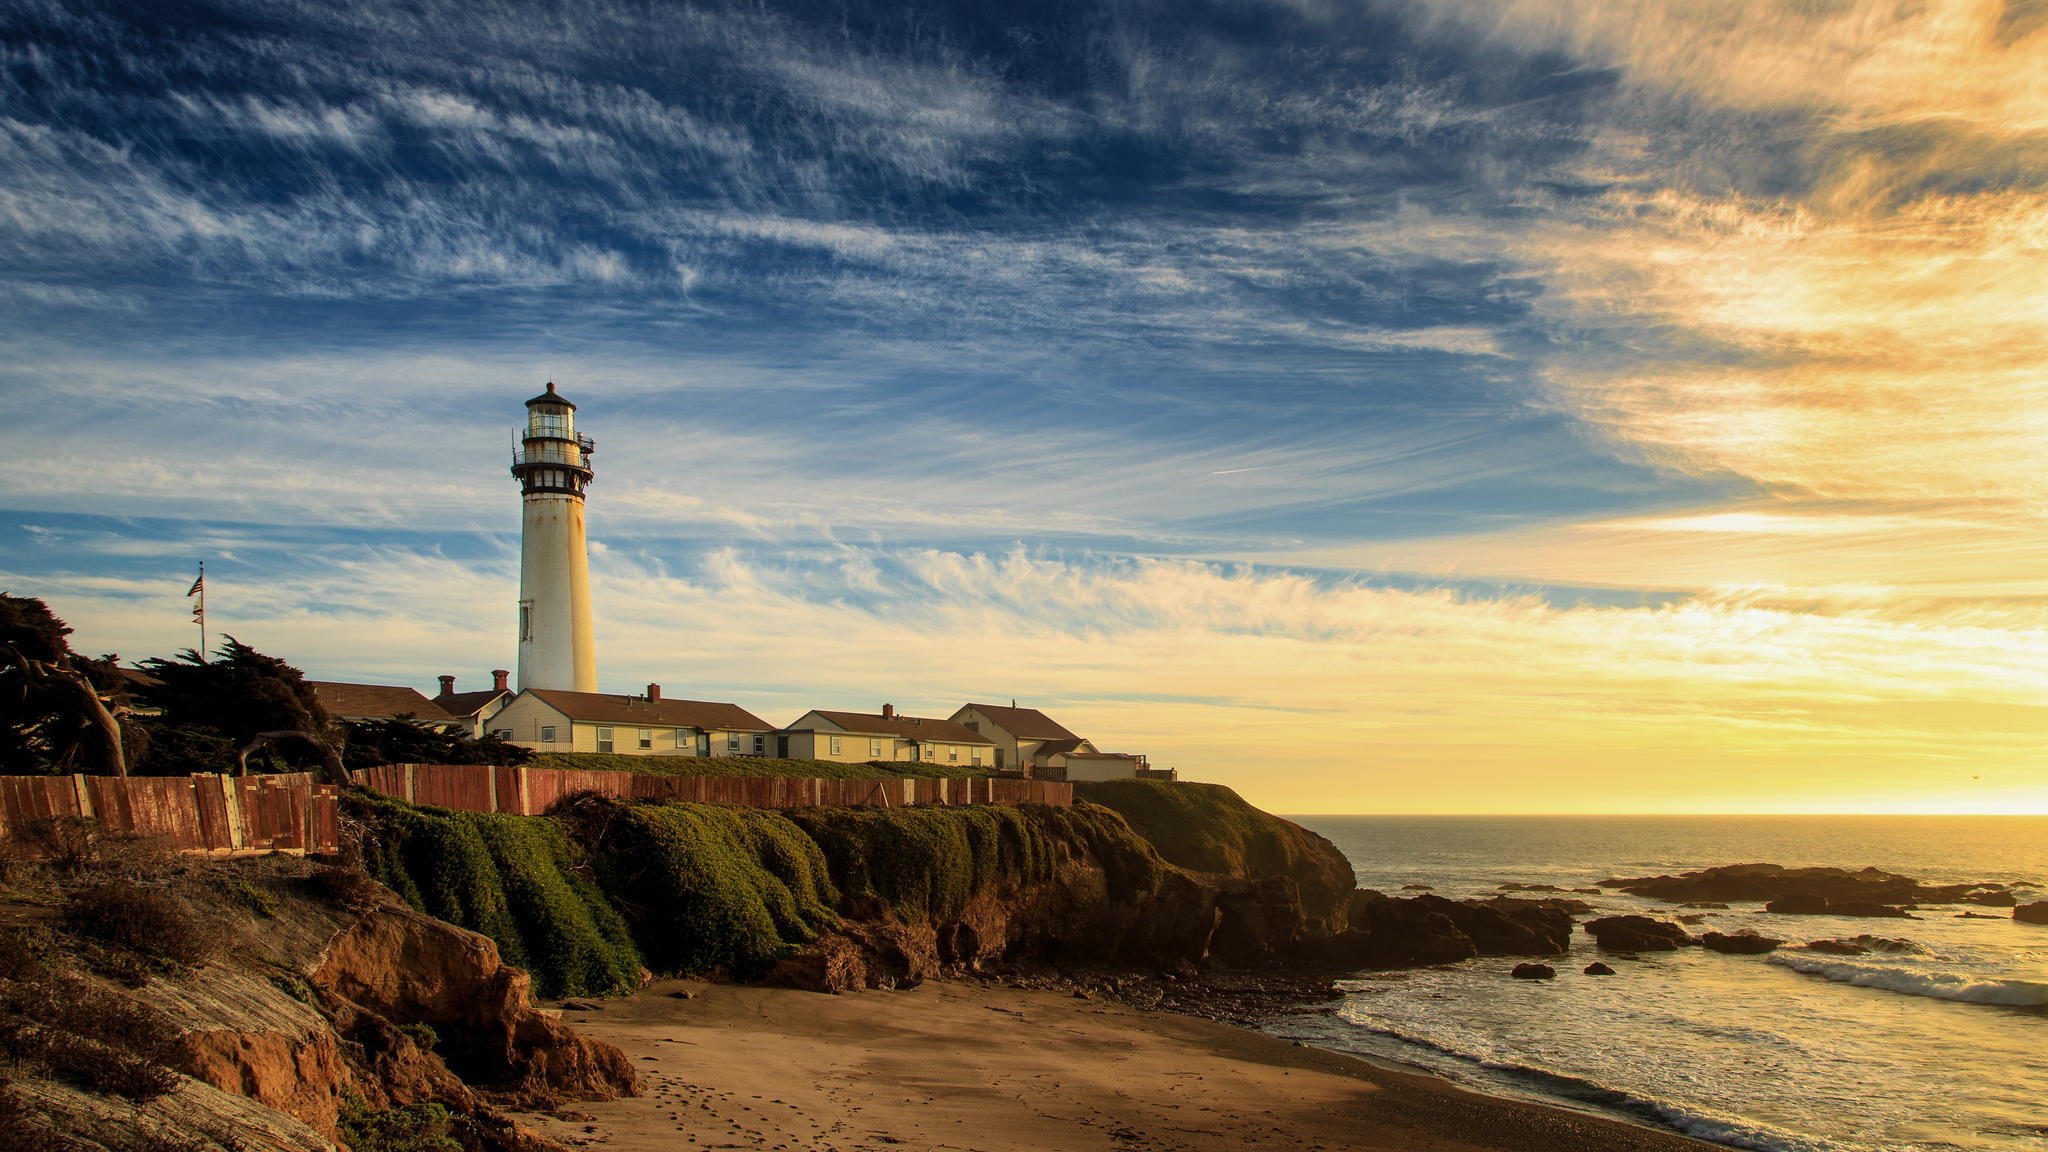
x,y
551,397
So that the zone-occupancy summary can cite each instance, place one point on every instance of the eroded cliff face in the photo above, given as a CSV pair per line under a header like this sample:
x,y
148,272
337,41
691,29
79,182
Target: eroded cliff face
x,y
306,1008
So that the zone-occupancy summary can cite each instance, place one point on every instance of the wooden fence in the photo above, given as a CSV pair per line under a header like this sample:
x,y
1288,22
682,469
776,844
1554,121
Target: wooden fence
x,y
525,791
204,812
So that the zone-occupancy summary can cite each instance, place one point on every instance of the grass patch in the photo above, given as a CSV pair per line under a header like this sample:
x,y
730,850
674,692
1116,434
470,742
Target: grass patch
x,y
707,887
516,879
928,862
753,766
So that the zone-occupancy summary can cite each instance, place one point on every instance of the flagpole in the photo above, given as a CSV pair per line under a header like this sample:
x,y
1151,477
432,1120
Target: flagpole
x,y
199,613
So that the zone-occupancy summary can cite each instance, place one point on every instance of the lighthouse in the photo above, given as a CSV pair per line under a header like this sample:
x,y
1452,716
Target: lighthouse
x,y
552,465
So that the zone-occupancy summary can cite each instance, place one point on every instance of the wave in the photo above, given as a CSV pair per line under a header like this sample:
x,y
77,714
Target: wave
x,y
1561,1088
1939,985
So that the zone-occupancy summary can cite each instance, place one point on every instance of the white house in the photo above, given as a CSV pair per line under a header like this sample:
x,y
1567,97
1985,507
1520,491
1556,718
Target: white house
x,y
858,737
1030,742
553,720
475,709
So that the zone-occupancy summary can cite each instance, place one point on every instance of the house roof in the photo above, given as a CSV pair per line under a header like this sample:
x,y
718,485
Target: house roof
x,y
1055,747
1025,723
908,727
1099,756
375,701
606,708
468,703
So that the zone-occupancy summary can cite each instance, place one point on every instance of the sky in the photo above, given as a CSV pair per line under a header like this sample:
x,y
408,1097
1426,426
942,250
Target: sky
x,y
1470,406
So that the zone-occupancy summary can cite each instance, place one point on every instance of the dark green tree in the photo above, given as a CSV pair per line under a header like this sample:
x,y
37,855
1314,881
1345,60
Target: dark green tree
x,y
225,710
59,710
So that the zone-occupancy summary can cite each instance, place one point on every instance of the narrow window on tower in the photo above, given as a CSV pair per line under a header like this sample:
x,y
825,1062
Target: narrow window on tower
x,y
526,619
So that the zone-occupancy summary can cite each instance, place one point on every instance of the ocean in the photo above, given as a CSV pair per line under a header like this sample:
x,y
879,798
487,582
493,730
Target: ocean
x,y
1942,1044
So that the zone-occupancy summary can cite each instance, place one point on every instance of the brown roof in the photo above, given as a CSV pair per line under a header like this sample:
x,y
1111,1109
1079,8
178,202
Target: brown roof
x,y
605,708
374,701
1025,723
468,703
1100,756
908,727
1055,747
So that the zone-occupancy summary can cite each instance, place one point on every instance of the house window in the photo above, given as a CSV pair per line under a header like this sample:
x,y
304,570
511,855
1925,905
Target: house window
x,y
833,743
604,739
931,752
732,742
647,738
971,725
760,744
547,733
977,758
703,743
501,733
683,740
526,619
875,747
953,753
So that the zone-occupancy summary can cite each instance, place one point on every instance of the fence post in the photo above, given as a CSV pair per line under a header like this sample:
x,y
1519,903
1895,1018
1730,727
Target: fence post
x,y
84,795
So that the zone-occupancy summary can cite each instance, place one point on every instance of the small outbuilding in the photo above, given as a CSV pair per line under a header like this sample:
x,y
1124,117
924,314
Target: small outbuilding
x,y
860,737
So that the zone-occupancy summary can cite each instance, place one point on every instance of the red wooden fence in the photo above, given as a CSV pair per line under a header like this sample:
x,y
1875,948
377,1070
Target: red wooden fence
x,y
525,791
204,812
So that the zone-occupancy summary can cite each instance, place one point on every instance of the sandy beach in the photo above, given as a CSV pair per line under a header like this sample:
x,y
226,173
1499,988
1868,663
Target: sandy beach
x,y
953,1066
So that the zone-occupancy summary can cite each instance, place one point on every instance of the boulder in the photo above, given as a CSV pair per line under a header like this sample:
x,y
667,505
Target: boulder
x,y
1533,972
2034,913
1637,934
1994,898
1597,968
413,969
1739,943
1804,904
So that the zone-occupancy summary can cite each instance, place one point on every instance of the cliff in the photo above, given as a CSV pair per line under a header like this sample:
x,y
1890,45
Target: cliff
x,y
149,1001
839,898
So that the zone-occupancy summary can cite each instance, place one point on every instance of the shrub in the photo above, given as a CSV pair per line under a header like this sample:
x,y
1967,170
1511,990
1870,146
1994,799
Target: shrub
x,y
146,921
350,888
413,1128
77,845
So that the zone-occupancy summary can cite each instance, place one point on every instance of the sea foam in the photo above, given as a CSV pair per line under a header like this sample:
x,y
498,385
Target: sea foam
x,y
1939,985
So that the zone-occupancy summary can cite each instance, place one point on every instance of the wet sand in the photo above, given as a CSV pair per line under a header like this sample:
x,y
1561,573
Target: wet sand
x,y
953,1066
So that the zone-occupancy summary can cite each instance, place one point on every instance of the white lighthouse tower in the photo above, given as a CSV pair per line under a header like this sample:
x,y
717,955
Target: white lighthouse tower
x,y
552,464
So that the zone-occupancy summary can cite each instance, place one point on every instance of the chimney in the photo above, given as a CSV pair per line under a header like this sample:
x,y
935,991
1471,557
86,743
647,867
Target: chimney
x,y
498,678
888,711
447,685
654,693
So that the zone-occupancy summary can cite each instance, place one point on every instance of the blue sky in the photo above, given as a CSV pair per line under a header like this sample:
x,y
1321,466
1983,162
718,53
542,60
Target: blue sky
x,y
945,351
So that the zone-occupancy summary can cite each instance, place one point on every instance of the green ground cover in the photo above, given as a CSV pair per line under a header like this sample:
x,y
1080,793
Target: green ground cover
x,y
521,881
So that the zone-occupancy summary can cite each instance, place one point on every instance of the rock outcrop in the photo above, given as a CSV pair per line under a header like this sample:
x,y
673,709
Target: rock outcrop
x,y
1599,968
1533,972
1739,943
407,966
1772,882
1399,932
1811,904
1637,934
2034,913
